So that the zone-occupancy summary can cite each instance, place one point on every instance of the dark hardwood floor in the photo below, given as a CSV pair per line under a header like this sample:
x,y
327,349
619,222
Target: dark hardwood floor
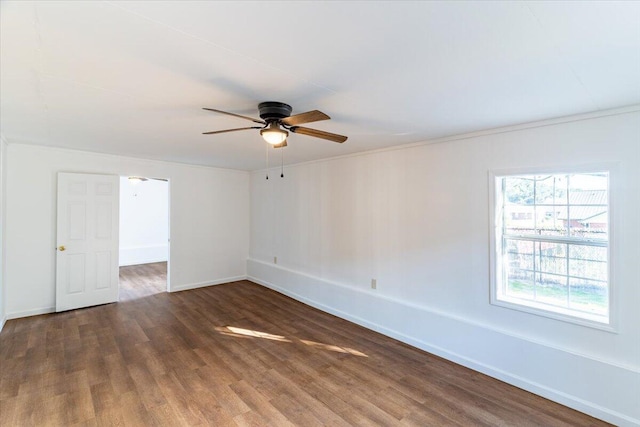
x,y
238,354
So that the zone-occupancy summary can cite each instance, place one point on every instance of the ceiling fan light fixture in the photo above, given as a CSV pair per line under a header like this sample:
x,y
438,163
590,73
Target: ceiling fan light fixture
x,y
273,134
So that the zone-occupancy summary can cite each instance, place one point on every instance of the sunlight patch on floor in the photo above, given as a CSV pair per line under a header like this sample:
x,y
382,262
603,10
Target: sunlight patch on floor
x,y
335,348
233,331
240,332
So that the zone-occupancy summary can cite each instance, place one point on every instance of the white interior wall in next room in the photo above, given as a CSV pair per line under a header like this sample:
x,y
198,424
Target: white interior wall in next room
x,y
209,212
417,220
144,221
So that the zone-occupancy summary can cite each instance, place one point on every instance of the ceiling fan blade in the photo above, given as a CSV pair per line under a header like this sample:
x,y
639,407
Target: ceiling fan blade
x,y
308,117
236,115
318,134
281,145
230,130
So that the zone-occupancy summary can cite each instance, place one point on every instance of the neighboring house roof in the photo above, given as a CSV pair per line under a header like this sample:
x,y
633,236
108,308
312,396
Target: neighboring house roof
x,y
587,206
588,197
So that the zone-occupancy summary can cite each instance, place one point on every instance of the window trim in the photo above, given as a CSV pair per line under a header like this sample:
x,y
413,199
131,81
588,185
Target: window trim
x,y
495,226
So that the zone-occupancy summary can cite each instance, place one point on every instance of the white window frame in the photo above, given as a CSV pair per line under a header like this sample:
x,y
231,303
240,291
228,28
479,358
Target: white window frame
x,y
495,243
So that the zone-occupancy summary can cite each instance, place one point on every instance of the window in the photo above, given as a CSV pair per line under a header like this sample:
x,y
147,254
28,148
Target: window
x,y
551,245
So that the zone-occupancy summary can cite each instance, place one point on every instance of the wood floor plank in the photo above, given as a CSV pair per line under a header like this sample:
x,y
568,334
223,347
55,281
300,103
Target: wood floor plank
x,y
229,400
215,368
143,380
78,405
183,403
296,394
295,411
55,411
259,404
133,410
250,419
238,355
111,417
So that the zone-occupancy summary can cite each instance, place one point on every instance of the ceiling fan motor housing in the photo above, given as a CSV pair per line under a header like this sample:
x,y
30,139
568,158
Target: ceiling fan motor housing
x,y
272,110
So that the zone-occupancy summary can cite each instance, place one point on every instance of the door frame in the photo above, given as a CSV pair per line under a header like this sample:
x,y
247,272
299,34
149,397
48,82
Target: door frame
x,y
168,181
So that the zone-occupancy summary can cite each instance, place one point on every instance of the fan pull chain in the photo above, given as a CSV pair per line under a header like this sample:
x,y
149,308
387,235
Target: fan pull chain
x,y
267,160
282,162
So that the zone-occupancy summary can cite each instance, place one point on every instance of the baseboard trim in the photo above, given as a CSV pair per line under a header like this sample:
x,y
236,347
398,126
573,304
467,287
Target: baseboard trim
x,y
28,313
47,310
571,401
2,322
443,314
188,286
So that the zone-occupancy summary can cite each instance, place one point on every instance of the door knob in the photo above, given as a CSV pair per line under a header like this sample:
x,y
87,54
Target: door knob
x,y
61,248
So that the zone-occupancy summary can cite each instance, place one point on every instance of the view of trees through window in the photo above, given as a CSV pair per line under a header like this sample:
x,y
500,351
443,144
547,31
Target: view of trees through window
x,y
554,240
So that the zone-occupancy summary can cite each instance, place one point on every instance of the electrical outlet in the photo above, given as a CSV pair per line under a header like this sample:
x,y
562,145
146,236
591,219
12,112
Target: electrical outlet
x,y
275,259
374,283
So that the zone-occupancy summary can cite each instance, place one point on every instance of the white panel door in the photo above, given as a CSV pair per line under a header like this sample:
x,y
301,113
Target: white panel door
x,y
87,248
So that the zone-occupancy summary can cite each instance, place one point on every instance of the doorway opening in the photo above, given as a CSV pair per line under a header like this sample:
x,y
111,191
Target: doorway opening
x,y
144,237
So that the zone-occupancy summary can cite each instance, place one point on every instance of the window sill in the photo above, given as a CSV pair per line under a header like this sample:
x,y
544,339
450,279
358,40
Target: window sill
x,y
557,313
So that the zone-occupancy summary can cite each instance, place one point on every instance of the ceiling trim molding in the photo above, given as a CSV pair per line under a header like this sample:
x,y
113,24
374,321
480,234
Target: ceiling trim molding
x,y
122,156
492,131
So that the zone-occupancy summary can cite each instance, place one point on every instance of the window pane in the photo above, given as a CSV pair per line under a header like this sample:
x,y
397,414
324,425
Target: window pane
x,y
588,210
589,222
520,284
552,258
589,296
589,262
518,219
551,289
551,220
520,268
585,182
551,190
518,190
519,254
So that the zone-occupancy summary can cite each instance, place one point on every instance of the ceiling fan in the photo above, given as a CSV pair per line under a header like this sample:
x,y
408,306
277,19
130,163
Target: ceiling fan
x,y
277,121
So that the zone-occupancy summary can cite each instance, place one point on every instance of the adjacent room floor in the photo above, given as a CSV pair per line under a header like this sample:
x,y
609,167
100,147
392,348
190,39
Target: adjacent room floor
x,y
137,281
238,354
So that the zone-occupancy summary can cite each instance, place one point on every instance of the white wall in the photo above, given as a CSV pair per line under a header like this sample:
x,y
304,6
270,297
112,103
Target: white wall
x,y
3,157
144,221
209,212
416,219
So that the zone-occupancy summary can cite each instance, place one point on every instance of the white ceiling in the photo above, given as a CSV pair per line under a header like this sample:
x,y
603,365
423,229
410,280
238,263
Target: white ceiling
x,y
131,78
